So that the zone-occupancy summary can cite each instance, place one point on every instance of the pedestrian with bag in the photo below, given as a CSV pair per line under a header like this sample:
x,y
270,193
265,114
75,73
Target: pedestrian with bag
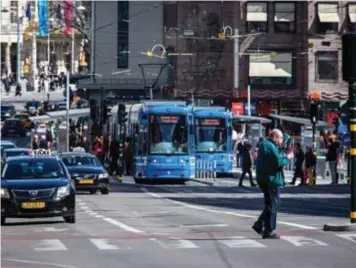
x,y
270,177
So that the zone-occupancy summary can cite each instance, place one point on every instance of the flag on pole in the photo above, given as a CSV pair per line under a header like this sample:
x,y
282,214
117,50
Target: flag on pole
x,y
28,11
43,17
68,8
59,12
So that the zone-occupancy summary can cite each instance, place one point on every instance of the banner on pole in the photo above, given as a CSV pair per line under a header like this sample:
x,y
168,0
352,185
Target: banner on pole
x,y
43,17
68,8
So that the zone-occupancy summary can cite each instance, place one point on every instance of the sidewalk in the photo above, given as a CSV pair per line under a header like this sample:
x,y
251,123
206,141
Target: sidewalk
x,y
27,96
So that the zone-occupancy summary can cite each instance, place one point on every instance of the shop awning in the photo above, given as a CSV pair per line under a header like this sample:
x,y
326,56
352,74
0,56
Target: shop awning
x,y
256,12
328,13
265,65
352,12
285,12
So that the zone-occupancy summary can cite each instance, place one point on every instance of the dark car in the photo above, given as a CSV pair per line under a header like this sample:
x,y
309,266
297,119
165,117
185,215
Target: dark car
x,y
87,172
25,120
4,144
13,126
36,187
16,152
7,111
32,107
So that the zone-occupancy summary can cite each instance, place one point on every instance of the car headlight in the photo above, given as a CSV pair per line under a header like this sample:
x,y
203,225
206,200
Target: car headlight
x,y
5,193
62,192
103,176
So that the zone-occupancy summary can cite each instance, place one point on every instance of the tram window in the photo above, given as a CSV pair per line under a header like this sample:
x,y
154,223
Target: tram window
x,y
142,142
168,134
210,135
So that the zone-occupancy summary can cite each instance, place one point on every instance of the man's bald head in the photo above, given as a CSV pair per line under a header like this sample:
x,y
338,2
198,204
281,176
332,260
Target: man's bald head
x,y
277,136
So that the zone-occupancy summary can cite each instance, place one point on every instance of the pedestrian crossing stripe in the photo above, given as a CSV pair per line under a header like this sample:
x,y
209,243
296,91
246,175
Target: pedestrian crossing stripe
x,y
177,243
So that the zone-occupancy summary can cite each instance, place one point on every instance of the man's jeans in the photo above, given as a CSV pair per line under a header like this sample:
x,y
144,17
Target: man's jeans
x,y
268,217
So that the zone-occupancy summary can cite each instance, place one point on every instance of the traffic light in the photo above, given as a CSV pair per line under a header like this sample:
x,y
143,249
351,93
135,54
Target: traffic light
x,y
314,112
122,114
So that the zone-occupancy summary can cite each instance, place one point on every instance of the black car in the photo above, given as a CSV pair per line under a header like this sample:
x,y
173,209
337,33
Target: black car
x,y
32,107
11,152
4,144
7,111
13,126
87,172
36,187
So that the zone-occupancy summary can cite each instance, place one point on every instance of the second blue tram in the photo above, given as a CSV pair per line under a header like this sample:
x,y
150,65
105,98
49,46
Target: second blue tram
x,y
161,141
213,139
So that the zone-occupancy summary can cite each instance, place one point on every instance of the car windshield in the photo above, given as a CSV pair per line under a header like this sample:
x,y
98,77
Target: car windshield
x,y
33,169
80,160
168,134
16,153
7,146
32,104
210,135
5,109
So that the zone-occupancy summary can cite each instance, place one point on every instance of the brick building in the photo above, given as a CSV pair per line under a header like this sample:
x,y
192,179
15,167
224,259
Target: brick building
x,y
285,51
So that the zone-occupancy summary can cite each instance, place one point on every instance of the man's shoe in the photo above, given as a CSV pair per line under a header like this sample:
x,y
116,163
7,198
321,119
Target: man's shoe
x,y
257,229
271,236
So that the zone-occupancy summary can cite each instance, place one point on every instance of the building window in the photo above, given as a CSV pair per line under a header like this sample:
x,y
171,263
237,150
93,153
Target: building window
x,y
326,67
123,35
268,70
170,15
284,17
328,16
13,11
256,17
351,10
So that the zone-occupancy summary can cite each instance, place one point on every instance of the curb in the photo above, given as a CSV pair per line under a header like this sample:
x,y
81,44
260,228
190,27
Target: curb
x,y
202,182
347,227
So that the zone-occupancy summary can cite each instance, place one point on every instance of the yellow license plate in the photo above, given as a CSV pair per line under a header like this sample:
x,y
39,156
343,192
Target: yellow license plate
x,y
33,205
86,182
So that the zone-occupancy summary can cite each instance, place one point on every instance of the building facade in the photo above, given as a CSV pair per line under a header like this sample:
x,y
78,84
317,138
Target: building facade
x,y
281,51
55,51
124,32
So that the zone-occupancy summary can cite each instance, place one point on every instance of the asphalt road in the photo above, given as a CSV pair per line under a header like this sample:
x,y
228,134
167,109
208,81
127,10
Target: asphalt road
x,y
193,225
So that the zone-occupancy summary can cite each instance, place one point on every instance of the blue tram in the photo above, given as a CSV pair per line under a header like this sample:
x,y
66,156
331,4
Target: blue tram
x,y
213,139
162,140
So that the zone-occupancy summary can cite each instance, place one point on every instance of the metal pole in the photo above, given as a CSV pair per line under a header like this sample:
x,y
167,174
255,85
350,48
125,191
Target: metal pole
x,y
18,50
314,153
48,51
352,120
249,99
92,33
236,60
73,37
67,113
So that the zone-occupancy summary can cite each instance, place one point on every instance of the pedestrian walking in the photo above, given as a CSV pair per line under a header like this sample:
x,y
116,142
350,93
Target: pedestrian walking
x,y
270,177
298,165
332,157
246,165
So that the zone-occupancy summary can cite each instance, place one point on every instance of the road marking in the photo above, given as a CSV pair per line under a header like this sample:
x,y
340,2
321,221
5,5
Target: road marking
x,y
350,237
241,242
123,226
175,243
40,263
50,229
300,241
50,245
85,207
103,244
99,216
91,213
204,225
300,226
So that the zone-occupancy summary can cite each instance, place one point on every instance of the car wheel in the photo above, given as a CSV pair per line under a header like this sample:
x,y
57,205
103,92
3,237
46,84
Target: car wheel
x,y
69,219
104,191
92,191
3,219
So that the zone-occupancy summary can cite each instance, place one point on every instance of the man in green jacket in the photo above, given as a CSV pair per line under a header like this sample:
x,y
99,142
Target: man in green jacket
x,y
270,177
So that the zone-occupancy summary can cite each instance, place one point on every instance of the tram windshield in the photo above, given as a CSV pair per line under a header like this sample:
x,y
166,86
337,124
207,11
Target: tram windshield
x,y
210,135
168,134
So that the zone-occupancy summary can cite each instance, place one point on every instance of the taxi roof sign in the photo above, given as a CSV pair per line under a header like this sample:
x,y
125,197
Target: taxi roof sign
x,y
43,152
79,150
